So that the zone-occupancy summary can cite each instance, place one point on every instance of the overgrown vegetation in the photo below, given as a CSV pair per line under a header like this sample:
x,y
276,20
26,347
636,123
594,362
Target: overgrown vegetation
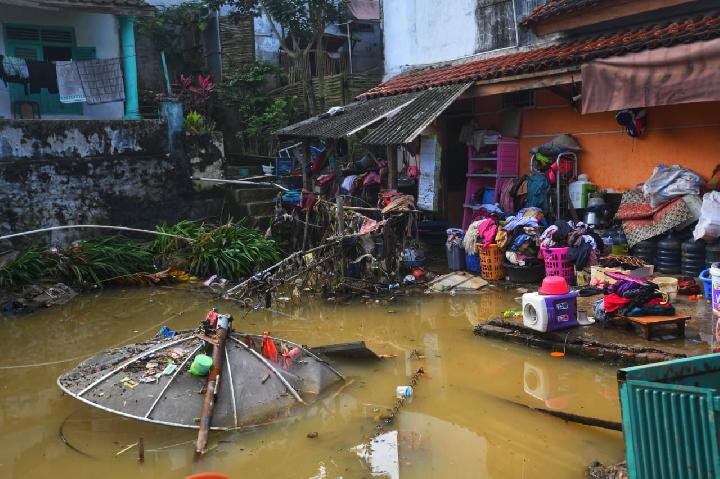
x,y
169,27
231,251
251,110
26,267
303,24
197,124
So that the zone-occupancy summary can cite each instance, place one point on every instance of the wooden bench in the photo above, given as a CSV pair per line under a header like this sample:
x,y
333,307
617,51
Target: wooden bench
x,y
650,324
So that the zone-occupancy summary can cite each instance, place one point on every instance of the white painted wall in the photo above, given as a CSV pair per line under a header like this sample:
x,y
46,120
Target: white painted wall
x,y
421,32
91,30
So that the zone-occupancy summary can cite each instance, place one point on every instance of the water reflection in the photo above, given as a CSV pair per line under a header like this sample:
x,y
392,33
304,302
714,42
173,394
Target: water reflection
x,y
461,423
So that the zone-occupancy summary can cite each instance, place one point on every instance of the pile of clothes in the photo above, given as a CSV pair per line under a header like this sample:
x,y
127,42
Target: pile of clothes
x,y
520,237
585,246
630,296
91,81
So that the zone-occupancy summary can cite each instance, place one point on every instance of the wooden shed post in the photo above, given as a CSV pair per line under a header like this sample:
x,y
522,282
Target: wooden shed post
x,y
307,181
391,153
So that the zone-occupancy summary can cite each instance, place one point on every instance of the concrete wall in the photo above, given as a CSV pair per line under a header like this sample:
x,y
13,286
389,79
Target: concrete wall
x,y
89,172
423,32
91,30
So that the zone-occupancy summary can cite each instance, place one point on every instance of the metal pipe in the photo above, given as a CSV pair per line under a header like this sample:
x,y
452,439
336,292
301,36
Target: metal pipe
x,y
120,228
239,182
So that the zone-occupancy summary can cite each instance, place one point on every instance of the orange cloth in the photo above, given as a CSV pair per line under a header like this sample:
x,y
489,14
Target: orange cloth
x,y
269,351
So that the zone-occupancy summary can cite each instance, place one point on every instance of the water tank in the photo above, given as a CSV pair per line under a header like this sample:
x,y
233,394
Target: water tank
x,y
712,253
645,250
667,255
693,257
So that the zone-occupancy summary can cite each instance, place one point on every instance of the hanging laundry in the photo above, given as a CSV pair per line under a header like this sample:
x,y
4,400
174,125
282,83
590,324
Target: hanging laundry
x,y
102,80
15,67
42,75
69,84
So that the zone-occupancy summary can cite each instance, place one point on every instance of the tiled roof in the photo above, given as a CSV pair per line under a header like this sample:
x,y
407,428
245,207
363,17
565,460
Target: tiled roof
x,y
555,8
120,7
561,55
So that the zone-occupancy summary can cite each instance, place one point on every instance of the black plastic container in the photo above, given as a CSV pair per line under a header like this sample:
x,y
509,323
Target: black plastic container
x,y
667,256
525,274
693,257
645,250
712,253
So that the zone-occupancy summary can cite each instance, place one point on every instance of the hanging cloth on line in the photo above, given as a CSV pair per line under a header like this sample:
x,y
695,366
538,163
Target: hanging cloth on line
x,y
13,70
69,84
101,80
42,75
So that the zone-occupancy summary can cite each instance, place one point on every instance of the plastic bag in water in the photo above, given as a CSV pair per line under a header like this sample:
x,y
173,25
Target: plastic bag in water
x,y
668,182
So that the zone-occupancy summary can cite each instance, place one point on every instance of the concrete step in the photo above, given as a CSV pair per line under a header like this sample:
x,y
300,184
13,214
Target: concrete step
x,y
260,208
253,194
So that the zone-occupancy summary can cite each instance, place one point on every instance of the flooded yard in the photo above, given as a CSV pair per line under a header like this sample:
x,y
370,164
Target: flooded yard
x,y
462,421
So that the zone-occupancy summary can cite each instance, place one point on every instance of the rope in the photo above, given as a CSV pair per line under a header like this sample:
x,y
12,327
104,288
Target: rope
x,y
120,228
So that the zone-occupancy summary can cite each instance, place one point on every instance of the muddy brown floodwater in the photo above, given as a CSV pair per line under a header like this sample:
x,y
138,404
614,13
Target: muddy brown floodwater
x,y
459,423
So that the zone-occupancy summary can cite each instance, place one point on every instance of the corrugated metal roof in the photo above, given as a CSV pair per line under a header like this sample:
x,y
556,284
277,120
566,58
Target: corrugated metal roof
x,y
355,117
407,124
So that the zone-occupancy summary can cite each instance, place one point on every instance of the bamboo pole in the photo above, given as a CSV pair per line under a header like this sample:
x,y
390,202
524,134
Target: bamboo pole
x,y
213,384
391,152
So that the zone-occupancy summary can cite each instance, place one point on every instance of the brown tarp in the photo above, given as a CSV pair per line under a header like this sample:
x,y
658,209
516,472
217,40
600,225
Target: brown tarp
x,y
365,9
663,76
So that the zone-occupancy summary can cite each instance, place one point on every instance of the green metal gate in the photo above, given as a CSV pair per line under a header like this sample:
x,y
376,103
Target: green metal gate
x,y
669,415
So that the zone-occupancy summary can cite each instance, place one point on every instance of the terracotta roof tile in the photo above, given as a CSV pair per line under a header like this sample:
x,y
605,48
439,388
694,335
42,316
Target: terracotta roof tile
x,y
555,8
556,56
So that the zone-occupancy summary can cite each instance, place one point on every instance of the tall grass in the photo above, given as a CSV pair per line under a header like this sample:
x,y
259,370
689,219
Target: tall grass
x,y
93,262
25,268
231,251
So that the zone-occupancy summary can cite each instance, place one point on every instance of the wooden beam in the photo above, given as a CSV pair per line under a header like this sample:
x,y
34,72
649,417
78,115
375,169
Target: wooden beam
x,y
604,12
307,181
509,85
391,153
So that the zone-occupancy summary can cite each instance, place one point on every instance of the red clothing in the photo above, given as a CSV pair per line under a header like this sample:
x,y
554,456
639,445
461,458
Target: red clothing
x,y
269,351
613,302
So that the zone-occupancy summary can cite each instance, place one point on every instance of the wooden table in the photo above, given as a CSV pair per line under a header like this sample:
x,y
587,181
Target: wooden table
x,y
649,324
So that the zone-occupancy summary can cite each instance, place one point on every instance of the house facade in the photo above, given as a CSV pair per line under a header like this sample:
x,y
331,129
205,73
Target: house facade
x,y
70,30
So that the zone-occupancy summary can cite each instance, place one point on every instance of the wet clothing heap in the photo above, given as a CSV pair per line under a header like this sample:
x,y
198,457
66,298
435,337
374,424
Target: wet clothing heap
x,y
585,245
633,297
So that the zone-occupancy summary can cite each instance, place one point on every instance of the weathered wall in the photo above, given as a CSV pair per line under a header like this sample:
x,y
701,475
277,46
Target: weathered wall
x,y
423,32
116,173
688,135
91,30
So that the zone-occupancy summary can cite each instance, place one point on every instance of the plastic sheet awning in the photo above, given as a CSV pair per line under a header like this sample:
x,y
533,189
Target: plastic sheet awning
x,y
687,73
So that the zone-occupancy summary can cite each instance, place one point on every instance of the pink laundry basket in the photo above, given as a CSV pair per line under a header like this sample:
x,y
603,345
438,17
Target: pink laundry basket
x,y
557,264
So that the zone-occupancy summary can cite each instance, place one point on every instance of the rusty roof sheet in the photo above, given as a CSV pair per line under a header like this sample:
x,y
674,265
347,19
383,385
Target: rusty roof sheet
x,y
354,117
407,124
561,55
